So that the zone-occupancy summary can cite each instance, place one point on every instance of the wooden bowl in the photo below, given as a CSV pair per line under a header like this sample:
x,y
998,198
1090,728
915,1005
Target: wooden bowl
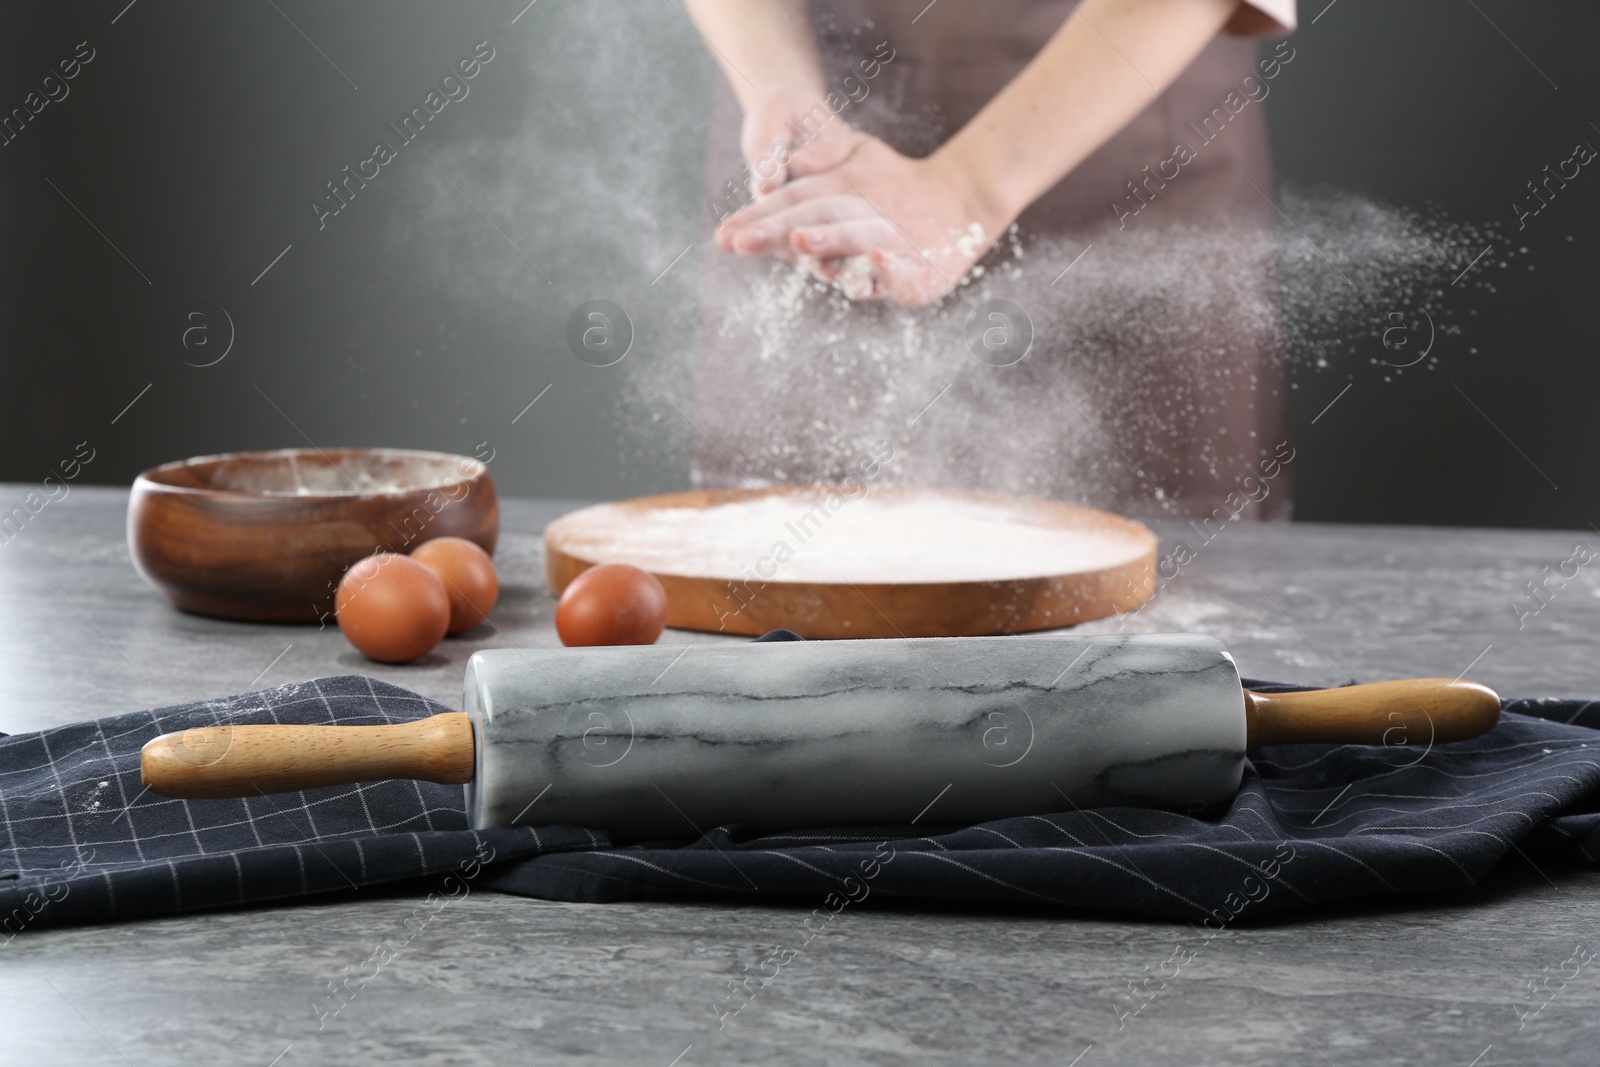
x,y
266,536
746,561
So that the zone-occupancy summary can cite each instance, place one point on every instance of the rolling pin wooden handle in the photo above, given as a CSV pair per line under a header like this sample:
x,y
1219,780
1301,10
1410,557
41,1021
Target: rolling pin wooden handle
x,y
241,761
1414,713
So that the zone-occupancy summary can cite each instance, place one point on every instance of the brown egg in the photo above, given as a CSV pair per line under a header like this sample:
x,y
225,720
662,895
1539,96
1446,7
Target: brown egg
x,y
392,608
612,604
468,575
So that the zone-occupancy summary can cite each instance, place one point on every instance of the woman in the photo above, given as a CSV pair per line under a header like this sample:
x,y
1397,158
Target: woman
x,y
1127,133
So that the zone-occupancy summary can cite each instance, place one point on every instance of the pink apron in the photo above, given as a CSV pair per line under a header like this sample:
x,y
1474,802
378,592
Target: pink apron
x,y
1154,381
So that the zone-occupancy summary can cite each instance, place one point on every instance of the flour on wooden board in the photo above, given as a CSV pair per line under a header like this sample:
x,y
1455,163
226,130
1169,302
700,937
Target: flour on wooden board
x,y
925,537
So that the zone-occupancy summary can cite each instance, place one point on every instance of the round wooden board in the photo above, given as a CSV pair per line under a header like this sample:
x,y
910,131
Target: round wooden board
x,y
842,561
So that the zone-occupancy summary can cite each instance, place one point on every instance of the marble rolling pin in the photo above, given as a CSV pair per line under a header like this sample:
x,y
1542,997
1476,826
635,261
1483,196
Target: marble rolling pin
x,y
663,741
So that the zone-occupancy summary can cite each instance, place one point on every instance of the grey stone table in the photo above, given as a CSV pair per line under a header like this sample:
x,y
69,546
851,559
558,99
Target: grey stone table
x,y
502,980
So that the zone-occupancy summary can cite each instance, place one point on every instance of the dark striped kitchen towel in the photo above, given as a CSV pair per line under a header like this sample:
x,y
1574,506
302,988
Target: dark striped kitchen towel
x,y
1313,824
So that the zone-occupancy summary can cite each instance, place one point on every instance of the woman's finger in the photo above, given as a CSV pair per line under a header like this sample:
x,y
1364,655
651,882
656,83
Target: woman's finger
x,y
769,170
847,237
852,275
826,151
827,269
795,192
821,271
908,280
772,233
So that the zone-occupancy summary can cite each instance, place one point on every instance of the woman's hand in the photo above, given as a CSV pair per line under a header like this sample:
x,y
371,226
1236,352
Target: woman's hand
x,y
917,225
790,132
769,54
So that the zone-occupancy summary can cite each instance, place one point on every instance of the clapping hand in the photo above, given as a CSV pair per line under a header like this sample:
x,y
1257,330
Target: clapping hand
x,y
882,225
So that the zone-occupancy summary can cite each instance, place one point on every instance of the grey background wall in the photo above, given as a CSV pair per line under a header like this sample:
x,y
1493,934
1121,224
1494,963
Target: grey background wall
x,y
1455,106
162,209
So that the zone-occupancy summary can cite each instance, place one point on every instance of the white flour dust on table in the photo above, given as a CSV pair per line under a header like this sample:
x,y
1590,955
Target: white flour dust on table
x,y
881,537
